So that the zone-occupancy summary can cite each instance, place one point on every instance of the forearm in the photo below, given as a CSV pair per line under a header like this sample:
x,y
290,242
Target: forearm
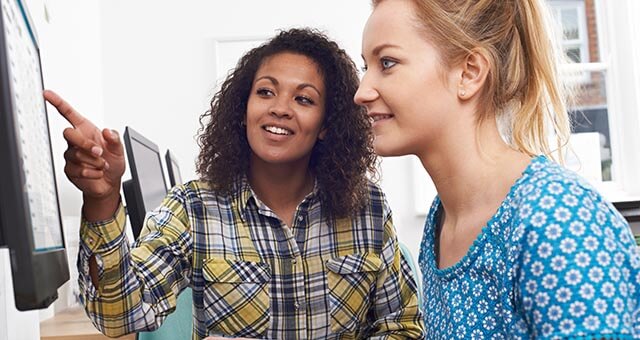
x,y
108,287
114,280
100,208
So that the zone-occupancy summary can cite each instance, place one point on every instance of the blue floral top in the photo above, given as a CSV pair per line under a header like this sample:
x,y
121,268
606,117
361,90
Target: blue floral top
x,y
555,261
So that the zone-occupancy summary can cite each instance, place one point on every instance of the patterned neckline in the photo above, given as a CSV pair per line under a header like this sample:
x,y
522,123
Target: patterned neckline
x,y
474,251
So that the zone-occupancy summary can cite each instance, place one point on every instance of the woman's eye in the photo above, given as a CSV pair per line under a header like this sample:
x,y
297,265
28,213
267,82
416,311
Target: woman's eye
x,y
387,63
364,68
304,100
264,92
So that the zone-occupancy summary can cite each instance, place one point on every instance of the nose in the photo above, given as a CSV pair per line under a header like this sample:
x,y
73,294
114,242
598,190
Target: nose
x,y
366,93
281,108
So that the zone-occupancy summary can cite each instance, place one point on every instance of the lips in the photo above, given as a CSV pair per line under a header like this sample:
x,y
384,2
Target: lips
x,y
377,117
277,130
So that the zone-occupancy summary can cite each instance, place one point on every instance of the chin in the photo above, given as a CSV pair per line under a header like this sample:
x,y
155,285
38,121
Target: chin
x,y
388,150
388,147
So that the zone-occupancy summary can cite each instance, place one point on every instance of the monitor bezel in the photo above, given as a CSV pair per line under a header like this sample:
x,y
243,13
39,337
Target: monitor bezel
x,y
129,135
37,274
172,165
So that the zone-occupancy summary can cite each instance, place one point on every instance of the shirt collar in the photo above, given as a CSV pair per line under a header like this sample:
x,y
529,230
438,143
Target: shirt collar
x,y
246,195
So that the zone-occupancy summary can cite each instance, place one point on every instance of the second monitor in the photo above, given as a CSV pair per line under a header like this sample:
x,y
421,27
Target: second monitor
x,y
146,189
173,169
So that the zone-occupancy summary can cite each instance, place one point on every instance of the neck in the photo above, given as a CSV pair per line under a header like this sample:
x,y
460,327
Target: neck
x,y
472,168
279,186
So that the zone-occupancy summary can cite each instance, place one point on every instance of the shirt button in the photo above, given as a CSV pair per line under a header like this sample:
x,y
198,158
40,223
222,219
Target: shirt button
x,y
300,218
294,261
91,241
297,306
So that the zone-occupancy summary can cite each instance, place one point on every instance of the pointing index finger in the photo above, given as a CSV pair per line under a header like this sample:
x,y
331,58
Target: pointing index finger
x,y
66,110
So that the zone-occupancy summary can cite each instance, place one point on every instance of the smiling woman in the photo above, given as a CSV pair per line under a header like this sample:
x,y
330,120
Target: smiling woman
x,y
225,145
536,250
285,111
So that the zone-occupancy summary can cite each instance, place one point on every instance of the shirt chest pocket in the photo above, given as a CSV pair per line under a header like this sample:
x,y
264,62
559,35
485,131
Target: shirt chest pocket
x,y
236,297
352,280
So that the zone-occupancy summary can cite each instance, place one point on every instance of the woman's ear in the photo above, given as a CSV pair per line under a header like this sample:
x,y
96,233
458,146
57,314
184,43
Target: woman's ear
x,y
322,133
474,72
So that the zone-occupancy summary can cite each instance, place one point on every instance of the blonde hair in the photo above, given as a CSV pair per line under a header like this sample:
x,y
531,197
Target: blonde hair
x,y
522,86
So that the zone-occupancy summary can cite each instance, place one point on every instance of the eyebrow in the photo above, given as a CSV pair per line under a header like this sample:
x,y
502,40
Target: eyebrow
x,y
377,49
300,87
304,85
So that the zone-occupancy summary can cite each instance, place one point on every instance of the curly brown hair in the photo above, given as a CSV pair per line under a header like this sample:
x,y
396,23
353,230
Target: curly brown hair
x,y
340,162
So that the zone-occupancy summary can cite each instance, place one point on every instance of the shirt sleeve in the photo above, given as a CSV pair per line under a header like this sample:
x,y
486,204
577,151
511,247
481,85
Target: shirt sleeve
x,y
138,285
578,274
396,314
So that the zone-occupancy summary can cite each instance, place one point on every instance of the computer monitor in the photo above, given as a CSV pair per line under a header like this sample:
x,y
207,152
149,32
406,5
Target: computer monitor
x,y
146,189
630,210
30,220
173,169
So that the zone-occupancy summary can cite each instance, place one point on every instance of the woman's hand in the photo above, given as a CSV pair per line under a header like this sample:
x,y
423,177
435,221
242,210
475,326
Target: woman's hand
x,y
94,161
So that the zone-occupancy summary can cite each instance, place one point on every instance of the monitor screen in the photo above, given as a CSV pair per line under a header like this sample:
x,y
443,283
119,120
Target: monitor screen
x,y
31,225
147,187
150,176
173,169
32,129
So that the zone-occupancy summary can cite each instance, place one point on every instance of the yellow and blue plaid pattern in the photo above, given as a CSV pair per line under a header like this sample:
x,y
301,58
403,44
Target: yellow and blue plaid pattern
x,y
252,275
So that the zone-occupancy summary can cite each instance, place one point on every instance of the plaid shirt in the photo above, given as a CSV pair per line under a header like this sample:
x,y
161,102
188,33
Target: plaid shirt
x,y
252,275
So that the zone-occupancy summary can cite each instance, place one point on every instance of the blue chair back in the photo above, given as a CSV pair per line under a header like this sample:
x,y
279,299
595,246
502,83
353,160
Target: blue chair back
x,y
412,263
178,325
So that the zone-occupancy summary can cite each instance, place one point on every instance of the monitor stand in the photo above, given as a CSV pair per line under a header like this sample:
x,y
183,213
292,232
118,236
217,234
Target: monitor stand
x,y
132,209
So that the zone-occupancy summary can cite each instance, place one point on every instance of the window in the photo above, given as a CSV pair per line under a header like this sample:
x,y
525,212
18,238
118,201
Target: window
x,y
577,34
598,40
571,18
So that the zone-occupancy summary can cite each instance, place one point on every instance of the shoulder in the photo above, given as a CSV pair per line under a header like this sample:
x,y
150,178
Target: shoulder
x,y
374,191
547,177
556,205
199,192
375,201
373,220
551,188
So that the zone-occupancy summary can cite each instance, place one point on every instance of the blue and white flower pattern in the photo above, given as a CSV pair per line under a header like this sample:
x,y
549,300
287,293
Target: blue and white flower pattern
x,y
555,261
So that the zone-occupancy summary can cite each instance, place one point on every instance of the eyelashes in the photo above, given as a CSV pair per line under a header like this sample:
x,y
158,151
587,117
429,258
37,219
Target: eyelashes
x,y
264,92
304,100
386,63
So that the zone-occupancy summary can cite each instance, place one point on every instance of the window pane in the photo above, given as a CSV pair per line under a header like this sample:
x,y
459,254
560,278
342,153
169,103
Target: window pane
x,y
590,117
574,54
569,20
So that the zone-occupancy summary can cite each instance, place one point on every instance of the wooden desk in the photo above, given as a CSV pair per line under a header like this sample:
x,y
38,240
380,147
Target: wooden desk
x,y
72,324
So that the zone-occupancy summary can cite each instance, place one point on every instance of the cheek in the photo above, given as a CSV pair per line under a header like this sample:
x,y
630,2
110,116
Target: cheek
x,y
313,120
251,111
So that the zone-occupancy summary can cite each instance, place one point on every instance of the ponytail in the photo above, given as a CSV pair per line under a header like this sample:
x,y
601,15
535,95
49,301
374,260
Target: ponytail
x,y
542,108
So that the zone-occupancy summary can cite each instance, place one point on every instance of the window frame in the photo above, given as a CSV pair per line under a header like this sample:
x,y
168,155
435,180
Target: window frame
x,y
583,34
622,46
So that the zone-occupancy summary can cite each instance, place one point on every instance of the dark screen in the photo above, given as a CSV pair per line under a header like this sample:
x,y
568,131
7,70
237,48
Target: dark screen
x,y
150,175
176,172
